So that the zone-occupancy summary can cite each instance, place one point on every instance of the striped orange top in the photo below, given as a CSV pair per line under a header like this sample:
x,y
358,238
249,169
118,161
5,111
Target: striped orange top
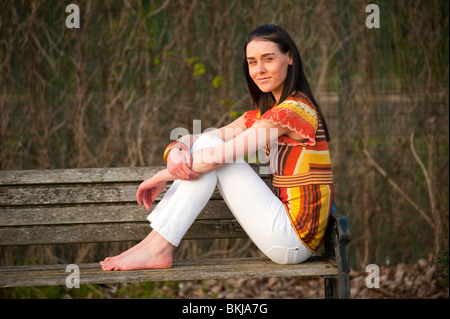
x,y
302,174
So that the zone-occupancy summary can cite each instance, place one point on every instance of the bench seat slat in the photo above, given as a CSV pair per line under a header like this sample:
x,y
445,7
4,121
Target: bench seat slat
x,y
182,270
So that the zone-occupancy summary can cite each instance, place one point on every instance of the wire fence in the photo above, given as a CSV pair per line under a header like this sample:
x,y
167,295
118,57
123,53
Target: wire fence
x,y
110,92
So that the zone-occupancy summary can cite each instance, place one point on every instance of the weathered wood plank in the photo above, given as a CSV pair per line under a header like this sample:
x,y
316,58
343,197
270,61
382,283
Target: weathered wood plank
x,y
77,175
75,194
214,209
81,175
110,232
20,276
64,195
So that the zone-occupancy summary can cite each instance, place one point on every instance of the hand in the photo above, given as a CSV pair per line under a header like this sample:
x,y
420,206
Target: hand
x,y
149,190
179,164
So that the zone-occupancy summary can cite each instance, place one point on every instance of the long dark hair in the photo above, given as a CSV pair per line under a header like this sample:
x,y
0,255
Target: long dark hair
x,y
295,79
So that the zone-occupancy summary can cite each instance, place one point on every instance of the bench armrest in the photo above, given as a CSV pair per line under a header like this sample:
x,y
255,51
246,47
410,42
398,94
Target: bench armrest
x,y
342,224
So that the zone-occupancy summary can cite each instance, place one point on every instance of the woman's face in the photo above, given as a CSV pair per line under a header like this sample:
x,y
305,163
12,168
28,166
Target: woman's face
x,y
267,66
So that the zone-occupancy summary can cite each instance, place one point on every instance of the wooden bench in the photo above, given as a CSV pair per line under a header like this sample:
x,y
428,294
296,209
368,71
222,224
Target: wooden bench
x,y
71,206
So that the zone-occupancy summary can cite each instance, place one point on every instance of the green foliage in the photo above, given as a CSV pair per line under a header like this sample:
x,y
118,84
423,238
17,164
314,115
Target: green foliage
x,y
192,60
217,82
199,69
228,103
235,114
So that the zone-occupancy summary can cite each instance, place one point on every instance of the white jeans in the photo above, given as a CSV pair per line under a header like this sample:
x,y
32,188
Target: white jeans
x,y
260,213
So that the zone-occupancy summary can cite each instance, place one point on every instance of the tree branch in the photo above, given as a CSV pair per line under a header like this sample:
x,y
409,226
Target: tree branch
x,y
398,189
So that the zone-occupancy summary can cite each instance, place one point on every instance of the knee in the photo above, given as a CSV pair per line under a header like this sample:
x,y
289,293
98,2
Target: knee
x,y
206,141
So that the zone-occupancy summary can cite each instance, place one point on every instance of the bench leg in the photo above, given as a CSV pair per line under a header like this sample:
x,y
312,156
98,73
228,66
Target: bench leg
x,y
331,287
344,272
337,251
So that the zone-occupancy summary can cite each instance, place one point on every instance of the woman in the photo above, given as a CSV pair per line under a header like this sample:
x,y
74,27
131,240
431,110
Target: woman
x,y
286,224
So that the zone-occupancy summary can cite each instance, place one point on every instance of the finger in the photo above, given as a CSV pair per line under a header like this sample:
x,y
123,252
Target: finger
x,y
177,170
187,159
185,172
191,175
194,176
146,200
142,198
141,193
153,196
138,197
149,199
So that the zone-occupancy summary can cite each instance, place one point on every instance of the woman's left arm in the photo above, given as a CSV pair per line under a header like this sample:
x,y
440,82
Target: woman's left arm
x,y
249,141
179,162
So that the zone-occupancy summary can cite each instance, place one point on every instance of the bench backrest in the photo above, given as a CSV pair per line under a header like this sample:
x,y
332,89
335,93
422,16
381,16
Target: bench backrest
x,y
90,205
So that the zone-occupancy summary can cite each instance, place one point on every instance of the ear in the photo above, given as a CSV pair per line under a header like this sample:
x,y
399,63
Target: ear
x,y
290,58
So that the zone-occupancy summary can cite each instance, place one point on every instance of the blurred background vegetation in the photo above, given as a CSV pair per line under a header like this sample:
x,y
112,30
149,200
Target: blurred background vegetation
x,y
109,93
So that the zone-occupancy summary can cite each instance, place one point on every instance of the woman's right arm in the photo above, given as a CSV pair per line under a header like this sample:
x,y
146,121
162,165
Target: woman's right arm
x,y
150,188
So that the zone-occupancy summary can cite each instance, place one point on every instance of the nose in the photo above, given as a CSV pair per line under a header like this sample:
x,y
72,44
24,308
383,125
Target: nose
x,y
261,68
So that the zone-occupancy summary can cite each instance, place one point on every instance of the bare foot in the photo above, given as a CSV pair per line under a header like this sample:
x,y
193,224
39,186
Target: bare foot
x,y
110,262
153,252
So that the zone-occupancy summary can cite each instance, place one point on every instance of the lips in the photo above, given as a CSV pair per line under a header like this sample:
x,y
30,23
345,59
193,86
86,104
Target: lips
x,y
262,80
